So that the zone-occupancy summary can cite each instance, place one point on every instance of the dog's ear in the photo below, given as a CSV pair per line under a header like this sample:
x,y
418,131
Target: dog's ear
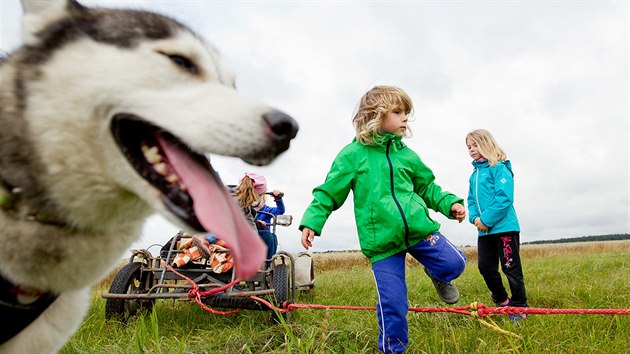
x,y
40,13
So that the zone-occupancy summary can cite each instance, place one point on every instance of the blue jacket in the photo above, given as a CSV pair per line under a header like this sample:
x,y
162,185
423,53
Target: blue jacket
x,y
278,210
491,197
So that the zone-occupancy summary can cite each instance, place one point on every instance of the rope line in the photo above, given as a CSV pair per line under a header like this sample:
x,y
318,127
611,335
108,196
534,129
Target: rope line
x,y
476,310
197,295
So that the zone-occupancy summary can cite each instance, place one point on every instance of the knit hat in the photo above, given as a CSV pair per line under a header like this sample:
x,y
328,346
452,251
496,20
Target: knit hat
x,y
260,183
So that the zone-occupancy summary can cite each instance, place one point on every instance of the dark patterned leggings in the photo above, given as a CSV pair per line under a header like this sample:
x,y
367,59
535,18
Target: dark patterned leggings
x,y
502,248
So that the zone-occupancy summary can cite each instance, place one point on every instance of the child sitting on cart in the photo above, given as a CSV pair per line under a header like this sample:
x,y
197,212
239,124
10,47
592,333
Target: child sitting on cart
x,y
264,216
250,195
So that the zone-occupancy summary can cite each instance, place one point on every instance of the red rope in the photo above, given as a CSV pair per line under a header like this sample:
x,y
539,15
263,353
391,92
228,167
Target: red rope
x,y
291,307
197,295
481,309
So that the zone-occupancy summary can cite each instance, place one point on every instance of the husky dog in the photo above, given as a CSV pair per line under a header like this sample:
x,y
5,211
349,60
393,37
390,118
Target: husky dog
x,y
107,116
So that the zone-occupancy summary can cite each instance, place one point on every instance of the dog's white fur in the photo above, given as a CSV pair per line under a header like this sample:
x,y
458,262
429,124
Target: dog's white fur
x,y
102,200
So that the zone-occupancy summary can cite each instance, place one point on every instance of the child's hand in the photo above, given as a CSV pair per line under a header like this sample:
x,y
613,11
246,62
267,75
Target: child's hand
x,y
481,226
307,238
277,194
458,212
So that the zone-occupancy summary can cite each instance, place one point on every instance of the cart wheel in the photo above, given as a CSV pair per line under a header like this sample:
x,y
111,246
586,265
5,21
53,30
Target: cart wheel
x,y
281,287
129,280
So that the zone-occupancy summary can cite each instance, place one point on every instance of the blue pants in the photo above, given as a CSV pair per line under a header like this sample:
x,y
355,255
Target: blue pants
x,y
271,240
444,262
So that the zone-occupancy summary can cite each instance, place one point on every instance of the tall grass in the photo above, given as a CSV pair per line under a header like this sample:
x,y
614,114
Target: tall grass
x,y
591,275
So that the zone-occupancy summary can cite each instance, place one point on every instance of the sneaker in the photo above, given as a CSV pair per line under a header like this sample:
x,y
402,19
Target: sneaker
x,y
446,290
504,303
515,318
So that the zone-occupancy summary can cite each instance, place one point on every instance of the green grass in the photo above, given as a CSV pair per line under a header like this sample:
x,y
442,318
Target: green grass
x,y
589,280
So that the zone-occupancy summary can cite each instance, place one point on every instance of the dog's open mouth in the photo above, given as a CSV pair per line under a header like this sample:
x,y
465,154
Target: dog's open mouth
x,y
190,188
140,143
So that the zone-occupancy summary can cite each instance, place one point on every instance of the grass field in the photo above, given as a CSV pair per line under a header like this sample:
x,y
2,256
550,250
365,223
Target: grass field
x,y
578,276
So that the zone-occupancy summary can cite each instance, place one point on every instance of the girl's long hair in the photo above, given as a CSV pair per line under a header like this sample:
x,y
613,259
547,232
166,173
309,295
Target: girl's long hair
x,y
374,106
487,146
246,194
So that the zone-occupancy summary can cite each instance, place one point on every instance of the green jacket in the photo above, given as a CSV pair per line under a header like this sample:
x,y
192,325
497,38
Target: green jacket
x,y
392,190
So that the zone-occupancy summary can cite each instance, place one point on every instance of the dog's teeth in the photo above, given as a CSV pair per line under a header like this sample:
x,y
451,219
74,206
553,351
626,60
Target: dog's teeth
x,y
152,154
161,168
182,187
172,178
145,149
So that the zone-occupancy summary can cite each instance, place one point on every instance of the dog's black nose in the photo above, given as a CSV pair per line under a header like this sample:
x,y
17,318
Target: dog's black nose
x,y
283,128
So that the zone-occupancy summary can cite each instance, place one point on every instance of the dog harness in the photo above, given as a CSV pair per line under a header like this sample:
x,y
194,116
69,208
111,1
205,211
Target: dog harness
x,y
19,307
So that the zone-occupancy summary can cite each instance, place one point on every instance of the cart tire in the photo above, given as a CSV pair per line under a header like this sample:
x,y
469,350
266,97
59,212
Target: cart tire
x,y
281,286
129,280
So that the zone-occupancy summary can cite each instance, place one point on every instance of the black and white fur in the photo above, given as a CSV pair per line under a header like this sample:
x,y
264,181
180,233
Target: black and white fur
x,y
76,99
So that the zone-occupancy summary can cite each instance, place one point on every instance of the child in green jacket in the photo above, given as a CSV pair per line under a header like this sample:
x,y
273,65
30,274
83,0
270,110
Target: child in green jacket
x,y
392,190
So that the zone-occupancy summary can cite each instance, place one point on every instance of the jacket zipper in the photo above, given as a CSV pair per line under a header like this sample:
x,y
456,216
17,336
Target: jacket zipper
x,y
391,179
477,194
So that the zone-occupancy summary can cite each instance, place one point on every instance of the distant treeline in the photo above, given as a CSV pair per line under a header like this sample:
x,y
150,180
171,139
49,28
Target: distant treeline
x,y
612,237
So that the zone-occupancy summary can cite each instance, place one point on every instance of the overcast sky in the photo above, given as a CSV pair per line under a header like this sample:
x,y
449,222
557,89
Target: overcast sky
x,y
548,79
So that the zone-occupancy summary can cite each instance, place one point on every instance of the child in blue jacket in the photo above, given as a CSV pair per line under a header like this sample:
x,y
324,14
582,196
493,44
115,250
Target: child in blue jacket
x,y
250,194
491,210
264,220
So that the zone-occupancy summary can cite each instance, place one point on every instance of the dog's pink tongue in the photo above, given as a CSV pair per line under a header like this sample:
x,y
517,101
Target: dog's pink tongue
x,y
217,211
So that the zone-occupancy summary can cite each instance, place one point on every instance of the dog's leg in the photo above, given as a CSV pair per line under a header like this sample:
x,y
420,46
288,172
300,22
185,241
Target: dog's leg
x,y
54,327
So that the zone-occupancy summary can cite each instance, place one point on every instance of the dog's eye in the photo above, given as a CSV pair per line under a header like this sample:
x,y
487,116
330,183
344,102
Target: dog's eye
x,y
184,63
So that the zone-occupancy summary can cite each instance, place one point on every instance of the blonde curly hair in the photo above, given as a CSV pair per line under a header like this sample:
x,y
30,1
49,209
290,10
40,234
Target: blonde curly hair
x,y
374,106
